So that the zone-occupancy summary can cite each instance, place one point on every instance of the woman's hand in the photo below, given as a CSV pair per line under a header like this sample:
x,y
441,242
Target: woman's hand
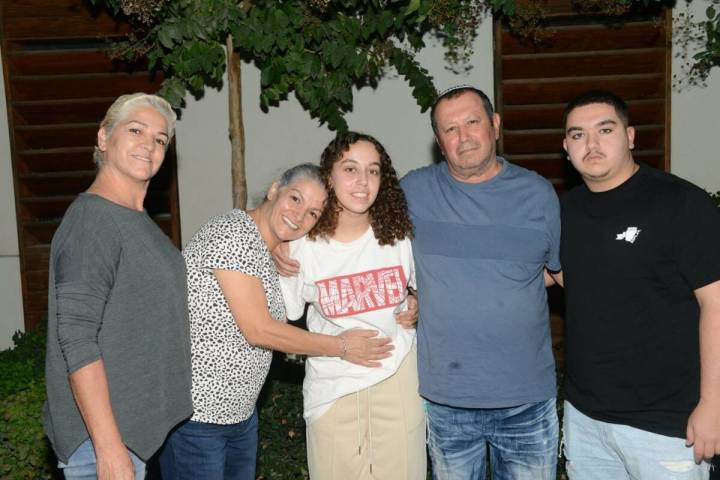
x,y
115,464
363,347
286,265
408,318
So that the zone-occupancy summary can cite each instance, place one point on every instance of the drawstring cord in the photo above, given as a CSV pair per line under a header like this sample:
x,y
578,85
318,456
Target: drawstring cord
x,y
359,426
369,417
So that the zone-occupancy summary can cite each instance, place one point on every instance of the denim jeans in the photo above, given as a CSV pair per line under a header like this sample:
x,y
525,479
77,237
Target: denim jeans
x,y
207,451
597,450
82,464
522,440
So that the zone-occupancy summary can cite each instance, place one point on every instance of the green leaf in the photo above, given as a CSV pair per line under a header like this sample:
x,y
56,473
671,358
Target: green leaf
x,y
710,12
165,38
412,7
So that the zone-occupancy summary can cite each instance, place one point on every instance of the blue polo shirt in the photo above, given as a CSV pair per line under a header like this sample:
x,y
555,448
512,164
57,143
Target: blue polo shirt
x,y
480,250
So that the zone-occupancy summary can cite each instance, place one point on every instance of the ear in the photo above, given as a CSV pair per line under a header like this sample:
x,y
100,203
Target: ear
x,y
631,137
102,139
496,125
440,147
565,144
273,191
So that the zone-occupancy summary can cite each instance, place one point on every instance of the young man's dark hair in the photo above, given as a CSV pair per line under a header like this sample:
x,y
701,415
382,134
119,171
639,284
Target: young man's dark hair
x,y
456,91
598,96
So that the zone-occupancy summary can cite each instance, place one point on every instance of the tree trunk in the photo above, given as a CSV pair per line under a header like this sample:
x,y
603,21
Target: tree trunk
x,y
237,130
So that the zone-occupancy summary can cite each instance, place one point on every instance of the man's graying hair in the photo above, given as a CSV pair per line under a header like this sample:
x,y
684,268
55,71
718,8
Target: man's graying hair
x,y
456,91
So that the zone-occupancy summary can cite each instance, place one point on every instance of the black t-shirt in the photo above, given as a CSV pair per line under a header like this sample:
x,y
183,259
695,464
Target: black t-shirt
x,y
631,258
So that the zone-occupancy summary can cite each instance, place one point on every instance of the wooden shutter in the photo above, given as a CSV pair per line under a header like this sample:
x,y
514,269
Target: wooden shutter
x,y
59,82
629,55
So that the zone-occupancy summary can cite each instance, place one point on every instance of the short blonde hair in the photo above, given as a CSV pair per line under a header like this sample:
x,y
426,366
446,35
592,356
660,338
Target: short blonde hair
x,y
122,107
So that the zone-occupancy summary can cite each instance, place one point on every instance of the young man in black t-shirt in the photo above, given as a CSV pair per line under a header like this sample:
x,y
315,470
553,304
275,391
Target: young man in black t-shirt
x,y
640,252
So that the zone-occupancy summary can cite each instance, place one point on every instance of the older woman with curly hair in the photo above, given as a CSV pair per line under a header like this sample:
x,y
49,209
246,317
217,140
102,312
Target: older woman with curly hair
x,y
355,269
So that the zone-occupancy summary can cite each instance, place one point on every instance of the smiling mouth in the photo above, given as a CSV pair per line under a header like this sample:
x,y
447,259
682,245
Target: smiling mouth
x,y
141,158
289,223
359,195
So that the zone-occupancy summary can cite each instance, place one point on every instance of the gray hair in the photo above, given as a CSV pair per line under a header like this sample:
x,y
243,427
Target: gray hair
x,y
303,171
307,171
122,107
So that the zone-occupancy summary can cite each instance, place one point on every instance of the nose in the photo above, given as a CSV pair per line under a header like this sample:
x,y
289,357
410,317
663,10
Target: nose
x,y
148,143
299,213
592,140
362,177
462,133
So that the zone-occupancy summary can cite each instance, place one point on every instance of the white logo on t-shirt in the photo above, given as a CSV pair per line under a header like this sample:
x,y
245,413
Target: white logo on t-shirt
x,y
629,235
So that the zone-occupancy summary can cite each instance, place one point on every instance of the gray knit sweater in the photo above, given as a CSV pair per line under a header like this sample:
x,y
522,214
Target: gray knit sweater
x,y
117,292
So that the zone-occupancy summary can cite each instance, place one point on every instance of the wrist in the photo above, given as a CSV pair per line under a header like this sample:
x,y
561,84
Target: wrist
x,y
343,347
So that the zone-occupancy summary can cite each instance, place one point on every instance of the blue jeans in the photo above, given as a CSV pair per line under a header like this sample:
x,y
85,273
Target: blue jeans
x,y
598,450
207,451
522,440
82,464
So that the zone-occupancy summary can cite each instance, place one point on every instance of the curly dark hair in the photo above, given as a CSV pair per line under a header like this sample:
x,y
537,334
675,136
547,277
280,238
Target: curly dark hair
x,y
389,215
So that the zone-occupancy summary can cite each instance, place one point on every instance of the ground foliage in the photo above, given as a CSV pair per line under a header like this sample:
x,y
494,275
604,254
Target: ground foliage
x,y
24,450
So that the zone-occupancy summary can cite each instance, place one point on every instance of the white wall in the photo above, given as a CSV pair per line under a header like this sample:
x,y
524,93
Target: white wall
x,y
695,126
286,135
11,312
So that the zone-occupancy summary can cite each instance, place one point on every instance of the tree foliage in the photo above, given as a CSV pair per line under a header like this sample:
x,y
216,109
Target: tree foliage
x,y
316,49
320,49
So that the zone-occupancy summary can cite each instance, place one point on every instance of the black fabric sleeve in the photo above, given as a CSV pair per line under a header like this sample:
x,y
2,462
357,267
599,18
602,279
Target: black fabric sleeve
x,y
697,239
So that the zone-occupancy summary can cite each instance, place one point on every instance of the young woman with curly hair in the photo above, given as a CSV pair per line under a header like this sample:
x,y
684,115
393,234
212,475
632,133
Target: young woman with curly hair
x,y
355,268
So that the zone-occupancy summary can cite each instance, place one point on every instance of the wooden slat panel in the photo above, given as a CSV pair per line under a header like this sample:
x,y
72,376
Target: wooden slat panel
x,y
54,62
623,62
548,165
55,136
578,8
36,258
550,141
28,28
44,208
39,233
43,8
37,281
41,112
70,183
553,7
522,117
583,38
66,86
58,160
563,89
